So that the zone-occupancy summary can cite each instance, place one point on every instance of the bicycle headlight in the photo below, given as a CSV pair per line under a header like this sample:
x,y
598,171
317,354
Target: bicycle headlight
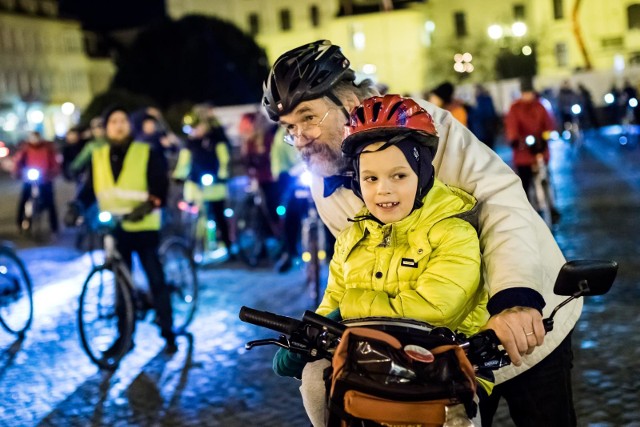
x,y
33,174
530,140
305,178
576,109
206,179
105,217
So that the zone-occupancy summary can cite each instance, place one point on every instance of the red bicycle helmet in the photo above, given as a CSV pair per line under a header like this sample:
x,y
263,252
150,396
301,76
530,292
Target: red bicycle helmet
x,y
304,73
385,117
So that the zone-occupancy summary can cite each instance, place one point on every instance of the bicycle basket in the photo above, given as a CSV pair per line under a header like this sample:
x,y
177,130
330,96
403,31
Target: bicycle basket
x,y
378,378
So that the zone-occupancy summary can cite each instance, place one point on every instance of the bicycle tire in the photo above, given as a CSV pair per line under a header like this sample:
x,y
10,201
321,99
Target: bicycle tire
x,y
104,309
182,279
18,295
250,232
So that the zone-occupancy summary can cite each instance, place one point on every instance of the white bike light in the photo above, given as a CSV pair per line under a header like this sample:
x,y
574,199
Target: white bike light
x,y
33,174
207,179
633,103
576,109
104,217
305,178
530,140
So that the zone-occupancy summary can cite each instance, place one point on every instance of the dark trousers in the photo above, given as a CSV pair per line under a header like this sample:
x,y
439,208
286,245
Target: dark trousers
x,y
541,396
145,244
47,202
215,211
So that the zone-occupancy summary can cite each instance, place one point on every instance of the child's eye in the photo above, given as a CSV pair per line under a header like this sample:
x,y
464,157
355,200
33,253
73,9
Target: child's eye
x,y
399,176
369,179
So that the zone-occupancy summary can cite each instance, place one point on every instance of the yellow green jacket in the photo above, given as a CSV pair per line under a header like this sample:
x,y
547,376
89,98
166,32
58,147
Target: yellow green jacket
x,y
123,195
425,266
195,192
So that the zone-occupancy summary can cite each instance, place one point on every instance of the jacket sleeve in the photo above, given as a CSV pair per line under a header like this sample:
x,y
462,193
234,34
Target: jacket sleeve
x,y
444,293
508,228
335,284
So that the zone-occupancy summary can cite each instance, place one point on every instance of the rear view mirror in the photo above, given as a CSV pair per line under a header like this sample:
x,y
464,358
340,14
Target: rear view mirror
x,y
585,278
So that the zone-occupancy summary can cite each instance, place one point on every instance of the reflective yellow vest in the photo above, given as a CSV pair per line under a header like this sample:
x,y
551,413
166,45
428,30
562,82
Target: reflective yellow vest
x,y
129,191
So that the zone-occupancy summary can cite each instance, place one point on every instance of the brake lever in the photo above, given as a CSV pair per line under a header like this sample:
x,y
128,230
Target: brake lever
x,y
282,341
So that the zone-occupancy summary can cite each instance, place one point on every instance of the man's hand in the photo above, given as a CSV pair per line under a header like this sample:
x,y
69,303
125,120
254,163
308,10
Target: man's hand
x,y
519,329
140,211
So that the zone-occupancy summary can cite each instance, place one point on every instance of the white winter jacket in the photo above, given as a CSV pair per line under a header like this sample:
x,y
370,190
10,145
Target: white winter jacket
x,y
518,249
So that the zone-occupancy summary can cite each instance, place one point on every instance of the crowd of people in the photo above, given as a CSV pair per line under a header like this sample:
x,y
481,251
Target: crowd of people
x,y
416,177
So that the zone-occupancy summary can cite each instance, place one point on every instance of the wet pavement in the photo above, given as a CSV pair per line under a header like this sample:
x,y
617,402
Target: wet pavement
x,y
47,380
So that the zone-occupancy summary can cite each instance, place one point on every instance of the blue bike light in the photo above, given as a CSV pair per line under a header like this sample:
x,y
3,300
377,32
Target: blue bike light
x,y
206,179
281,210
33,174
530,140
228,213
104,217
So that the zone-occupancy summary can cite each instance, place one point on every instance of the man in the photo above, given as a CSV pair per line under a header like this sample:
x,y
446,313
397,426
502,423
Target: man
x,y
128,177
39,155
310,90
528,117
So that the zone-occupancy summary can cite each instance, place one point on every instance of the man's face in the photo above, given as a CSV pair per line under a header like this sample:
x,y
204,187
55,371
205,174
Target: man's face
x,y
388,183
318,127
149,126
118,127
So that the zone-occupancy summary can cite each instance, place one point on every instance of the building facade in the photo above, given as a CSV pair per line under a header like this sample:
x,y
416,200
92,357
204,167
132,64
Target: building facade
x,y
44,72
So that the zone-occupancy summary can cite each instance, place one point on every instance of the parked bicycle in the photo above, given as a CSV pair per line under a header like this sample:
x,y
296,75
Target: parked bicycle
x,y
401,372
16,298
109,295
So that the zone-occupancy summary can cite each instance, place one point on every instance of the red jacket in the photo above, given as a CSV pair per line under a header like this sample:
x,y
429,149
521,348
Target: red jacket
x,y
527,118
41,156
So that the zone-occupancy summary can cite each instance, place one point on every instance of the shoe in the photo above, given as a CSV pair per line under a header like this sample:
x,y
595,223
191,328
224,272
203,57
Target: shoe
x,y
284,264
170,347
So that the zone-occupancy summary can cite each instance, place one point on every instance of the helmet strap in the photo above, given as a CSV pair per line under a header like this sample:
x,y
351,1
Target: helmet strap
x,y
339,103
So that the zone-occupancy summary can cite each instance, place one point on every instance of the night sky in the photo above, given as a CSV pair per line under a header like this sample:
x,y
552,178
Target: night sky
x,y
106,15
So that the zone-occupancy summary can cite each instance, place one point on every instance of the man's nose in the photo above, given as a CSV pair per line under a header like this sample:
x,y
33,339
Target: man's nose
x,y
302,139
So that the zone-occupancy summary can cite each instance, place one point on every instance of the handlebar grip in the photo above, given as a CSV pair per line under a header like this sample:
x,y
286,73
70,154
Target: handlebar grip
x,y
282,324
332,326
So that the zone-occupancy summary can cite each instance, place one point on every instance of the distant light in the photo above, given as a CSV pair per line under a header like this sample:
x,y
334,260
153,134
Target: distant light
x,y
35,116
104,217
369,69
228,213
33,174
359,40
306,257
459,67
281,210
322,255
609,98
519,29
633,103
430,26
526,50
554,134
530,140
3,269
467,57
576,109
186,129
618,63
495,31
206,179
457,57
11,122
306,178
68,108
211,224
566,134
4,152
468,68
623,140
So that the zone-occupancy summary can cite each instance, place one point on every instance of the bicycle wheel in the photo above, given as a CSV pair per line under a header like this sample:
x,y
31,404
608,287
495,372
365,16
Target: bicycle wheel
x,y
250,232
16,298
106,293
182,280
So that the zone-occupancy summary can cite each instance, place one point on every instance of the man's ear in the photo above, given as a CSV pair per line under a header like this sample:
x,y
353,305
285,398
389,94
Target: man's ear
x,y
350,101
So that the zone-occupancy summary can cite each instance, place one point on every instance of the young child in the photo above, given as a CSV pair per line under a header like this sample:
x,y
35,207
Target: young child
x,y
412,251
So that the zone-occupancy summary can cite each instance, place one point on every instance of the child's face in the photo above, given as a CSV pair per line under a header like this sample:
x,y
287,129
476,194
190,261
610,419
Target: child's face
x,y
388,183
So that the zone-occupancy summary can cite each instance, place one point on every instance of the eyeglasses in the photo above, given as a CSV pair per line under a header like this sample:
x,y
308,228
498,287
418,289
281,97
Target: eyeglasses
x,y
308,126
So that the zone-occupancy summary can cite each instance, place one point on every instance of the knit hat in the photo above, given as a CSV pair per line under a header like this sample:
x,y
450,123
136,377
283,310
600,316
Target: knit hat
x,y
444,92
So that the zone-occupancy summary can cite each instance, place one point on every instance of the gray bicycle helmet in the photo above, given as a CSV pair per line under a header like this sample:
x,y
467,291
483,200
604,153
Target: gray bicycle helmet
x,y
304,73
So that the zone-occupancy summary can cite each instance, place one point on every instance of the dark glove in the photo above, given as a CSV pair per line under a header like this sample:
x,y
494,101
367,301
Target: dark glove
x,y
140,211
74,211
289,364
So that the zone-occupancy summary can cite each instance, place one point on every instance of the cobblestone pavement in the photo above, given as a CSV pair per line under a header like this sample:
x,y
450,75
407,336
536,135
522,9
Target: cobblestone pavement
x,y
46,380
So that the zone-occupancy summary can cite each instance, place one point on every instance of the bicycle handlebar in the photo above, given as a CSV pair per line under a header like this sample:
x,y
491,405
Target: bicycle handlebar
x,y
276,322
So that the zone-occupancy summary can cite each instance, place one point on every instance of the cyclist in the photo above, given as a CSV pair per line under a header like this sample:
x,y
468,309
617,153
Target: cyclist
x,y
97,139
39,155
528,117
378,268
310,90
126,176
204,166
